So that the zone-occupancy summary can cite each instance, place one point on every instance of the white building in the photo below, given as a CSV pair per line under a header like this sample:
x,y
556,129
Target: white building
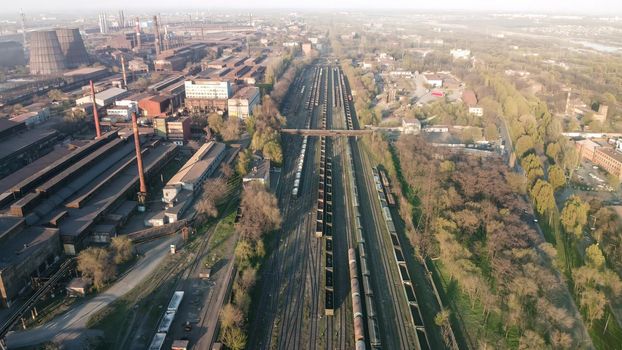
x,y
103,98
117,114
476,111
433,80
241,105
411,126
33,117
208,89
460,54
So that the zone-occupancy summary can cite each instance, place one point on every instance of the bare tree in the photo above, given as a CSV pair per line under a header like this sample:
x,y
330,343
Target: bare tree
x,y
96,263
260,212
214,190
231,316
121,249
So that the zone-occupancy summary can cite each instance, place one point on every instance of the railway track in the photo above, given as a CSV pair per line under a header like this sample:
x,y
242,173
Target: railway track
x,y
395,324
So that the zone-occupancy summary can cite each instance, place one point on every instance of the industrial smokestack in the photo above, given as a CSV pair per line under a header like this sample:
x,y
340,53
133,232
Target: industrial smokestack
x,y
158,42
138,41
123,71
98,131
142,194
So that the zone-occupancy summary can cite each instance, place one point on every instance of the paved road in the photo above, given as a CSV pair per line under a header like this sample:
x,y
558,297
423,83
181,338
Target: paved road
x,y
73,323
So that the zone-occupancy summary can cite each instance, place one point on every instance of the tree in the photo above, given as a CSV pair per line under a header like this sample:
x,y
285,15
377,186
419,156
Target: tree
x,y
594,257
214,190
553,151
561,340
231,130
260,212
74,116
216,122
531,341
56,95
234,338
523,145
542,193
231,316
248,278
533,167
593,303
491,132
245,159
574,216
121,249
272,150
244,253
95,263
557,178
517,182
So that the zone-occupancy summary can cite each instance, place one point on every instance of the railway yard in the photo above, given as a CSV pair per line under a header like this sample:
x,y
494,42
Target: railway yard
x,y
336,277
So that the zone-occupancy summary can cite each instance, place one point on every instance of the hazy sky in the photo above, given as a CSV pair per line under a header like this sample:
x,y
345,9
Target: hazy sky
x,y
611,7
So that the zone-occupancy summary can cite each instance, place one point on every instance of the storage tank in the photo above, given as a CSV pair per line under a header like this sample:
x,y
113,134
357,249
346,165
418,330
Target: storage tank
x,y
46,56
72,47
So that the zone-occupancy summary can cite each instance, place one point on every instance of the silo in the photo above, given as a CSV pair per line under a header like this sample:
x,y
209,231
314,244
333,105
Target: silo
x,y
73,47
46,56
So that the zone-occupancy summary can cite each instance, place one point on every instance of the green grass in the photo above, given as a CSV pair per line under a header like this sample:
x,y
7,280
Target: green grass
x,y
609,339
217,248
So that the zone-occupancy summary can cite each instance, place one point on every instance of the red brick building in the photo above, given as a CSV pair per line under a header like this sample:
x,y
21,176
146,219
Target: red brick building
x,y
154,106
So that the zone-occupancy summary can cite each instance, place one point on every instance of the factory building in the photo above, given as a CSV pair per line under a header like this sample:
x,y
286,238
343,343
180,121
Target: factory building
x,y
192,175
11,54
37,115
174,129
85,193
182,187
104,98
207,94
241,105
81,76
177,59
25,253
20,146
154,106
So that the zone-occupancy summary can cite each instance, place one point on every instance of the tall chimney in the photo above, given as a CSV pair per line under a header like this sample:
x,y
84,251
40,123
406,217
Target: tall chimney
x,y
142,194
157,35
98,130
123,71
138,41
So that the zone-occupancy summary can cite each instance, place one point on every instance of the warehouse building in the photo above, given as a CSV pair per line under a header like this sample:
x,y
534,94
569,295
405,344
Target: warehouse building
x,y
104,98
86,191
192,175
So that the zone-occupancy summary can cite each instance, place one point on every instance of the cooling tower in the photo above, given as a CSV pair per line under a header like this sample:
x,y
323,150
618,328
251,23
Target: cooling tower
x,y
46,56
73,47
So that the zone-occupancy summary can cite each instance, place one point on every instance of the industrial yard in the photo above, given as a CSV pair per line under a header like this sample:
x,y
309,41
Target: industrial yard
x,y
181,179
